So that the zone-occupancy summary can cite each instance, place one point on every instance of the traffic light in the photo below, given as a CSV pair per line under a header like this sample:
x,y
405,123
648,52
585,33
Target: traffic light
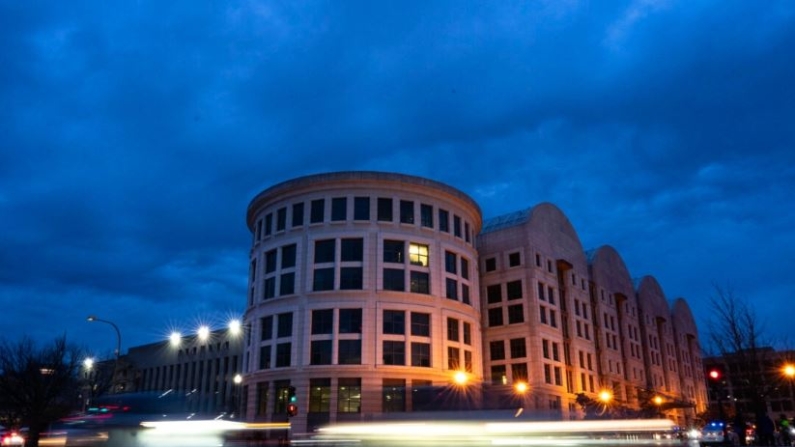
x,y
292,408
715,374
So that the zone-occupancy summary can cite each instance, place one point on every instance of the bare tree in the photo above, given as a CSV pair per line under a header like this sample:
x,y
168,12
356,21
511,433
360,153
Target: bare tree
x,y
39,384
736,336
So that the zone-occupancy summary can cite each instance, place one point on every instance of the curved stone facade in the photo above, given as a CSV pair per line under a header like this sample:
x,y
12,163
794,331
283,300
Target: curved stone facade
x,y
363,296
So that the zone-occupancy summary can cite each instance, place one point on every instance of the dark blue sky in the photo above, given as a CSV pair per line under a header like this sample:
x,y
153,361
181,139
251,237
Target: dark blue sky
x,y
133,135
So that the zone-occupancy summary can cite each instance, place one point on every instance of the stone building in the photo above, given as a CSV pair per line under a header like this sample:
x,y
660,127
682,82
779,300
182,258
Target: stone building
x,y
375,295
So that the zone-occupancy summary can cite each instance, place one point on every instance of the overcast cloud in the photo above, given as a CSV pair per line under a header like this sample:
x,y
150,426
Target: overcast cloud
x,y
134,134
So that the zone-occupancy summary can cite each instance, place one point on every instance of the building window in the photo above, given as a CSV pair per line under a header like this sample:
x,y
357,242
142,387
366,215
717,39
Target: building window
x,y
406,211
515,314
349,395
281,219
265,357
495,316
394,251
287,284
269,288
324,250
452,329
288,256
361,208
284,326
420,324
393,398
545,348
519,371
497,350
491,264
514,259
498,375
468,365
394,353
298,214
394,322
316,211
352,250
453,358
421,354
350,352
322,321
467,333
270,261
456,226
283,355
450,262
319,395
451,287
426,215
262,398
418,254
513,290
518,348
394,279
494,293
268,224
420,282
464,268
542,313
464,293
323,280
266,327
320,352
350,321
384,209
351,278
339,208
444,221
547,374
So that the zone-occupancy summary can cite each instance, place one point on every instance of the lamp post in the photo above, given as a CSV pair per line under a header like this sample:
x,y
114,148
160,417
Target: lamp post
x,y
92,318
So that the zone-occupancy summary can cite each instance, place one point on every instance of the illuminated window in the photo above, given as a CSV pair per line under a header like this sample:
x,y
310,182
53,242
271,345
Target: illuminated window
x,y
418,254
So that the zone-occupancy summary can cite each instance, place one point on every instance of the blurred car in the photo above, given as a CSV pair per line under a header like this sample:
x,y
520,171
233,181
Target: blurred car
x,y
714,433
12,438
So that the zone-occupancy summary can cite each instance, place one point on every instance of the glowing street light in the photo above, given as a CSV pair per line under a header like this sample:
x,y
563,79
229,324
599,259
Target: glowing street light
x,y
605,396
175,338
237,379
521,387
88,363
235,327
789,370
460,378
204,333
658,400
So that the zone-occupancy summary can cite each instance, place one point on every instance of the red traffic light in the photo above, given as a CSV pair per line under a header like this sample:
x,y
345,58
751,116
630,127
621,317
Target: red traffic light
x,y
292,410
714,374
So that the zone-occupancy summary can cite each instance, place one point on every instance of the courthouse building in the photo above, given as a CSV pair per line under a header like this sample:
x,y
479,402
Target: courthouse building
x,y
378,295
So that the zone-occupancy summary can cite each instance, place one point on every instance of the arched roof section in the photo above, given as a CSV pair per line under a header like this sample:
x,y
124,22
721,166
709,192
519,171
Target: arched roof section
x,y
652,299
683,318
609,271
552,231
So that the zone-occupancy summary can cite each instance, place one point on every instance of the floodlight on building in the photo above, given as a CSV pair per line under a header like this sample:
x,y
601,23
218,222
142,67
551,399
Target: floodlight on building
x,y
235,327
204,333
460,378
175,338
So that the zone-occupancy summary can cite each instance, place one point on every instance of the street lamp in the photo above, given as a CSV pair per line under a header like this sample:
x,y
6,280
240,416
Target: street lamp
x,y
92,318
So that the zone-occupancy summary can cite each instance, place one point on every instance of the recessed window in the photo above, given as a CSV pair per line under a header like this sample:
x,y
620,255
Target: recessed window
x,y
281,219
514,259
265,357
394,322
352,250
420,324
349,395
339,209
464,268
497,350
426,215
268,224
317,208
494,293
287,284
498,375
444,221
350,321
269,288
450,262
518,348
451,289
284,326
394,251
350,352
406,211
322,321
298,214
288,256
361,208
421,354
323,279
270,261
324,250
394,353
467,333
452,329
384,209
464,293
395,279
420,282
495,317
418,254
266,327
513,290
456,226
515,314
453,358
351,278
491,264
320,352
